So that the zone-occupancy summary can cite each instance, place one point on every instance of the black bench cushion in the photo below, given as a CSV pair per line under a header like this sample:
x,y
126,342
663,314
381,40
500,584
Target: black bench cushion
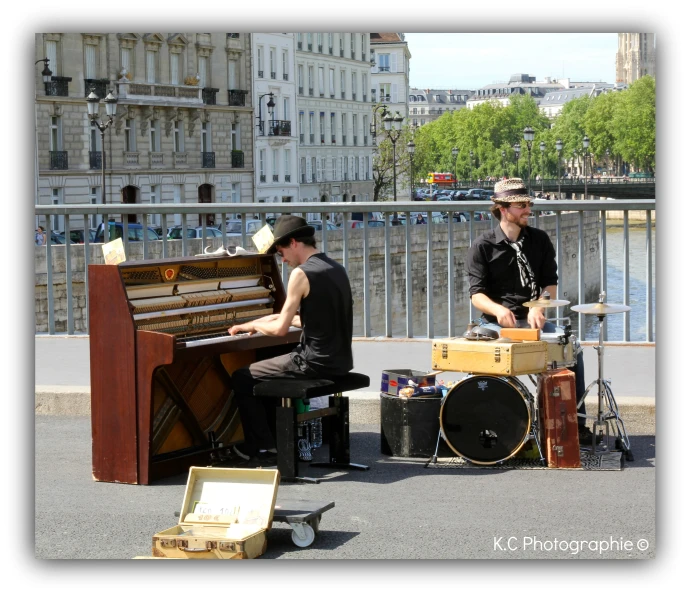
x,y
310,388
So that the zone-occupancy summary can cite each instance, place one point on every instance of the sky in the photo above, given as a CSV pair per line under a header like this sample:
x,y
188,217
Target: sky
x,y
469,61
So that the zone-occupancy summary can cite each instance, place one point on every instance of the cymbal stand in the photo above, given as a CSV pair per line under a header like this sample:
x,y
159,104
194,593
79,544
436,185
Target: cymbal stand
x,y
610,411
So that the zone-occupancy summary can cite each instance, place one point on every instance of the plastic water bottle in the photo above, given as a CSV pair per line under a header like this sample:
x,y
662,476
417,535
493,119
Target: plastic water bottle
x,y
316,433
303,442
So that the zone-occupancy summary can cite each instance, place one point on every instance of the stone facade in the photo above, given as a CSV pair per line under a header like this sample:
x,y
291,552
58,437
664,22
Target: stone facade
x,y
175,138
635,57
567,286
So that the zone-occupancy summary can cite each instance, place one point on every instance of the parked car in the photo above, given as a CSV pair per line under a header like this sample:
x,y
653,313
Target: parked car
x,y
233,226
487,194
459,195
77,235
359,224
317,224
135,232
58,238
475,194
193,232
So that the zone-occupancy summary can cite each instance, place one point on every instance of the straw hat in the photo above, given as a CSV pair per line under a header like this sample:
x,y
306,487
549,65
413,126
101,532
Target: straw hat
x,y
288,226
510,190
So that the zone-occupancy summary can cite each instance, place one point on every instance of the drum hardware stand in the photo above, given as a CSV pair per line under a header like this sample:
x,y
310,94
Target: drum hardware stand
x,y
605,395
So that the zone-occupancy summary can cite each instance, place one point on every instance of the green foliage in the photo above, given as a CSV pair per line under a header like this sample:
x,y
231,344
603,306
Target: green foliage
x,y
622,122
384,158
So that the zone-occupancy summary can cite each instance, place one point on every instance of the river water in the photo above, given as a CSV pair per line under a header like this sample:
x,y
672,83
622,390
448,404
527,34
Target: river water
x,y
615,289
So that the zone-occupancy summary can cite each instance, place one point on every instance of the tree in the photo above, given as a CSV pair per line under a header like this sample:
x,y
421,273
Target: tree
x,y
383,160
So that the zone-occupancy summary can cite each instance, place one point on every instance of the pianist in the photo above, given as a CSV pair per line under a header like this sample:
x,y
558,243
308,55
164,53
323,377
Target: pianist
x,y
318,301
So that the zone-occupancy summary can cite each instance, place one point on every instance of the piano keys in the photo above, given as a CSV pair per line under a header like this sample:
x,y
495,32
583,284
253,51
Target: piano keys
x,y
162,359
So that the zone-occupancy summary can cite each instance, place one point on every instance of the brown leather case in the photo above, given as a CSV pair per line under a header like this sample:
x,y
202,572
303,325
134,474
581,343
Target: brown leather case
x,y
558,418
520,333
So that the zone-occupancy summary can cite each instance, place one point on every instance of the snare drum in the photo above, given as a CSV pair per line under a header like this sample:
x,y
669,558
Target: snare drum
x,y
560,351
486,419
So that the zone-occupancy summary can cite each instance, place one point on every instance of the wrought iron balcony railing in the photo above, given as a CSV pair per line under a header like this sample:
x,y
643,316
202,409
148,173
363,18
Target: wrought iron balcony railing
x,y
285,76
58,86
300,90
310,92
343,94
237,97
279,128
262,178
353,96
383,68
95,159
312,138
334,139
287,177
275,177
238,159
208,160
355,140
260,74
301,138
273,75
58,160
209,96
99,86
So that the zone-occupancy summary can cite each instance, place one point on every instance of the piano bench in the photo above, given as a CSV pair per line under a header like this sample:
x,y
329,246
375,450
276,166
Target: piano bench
x,y
287,420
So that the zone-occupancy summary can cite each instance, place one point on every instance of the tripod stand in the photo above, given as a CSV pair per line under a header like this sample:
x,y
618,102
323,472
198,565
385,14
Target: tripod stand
x,y
607,409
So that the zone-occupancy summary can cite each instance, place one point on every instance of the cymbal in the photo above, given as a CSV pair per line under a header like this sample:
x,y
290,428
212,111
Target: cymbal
x,y
600,309
546,301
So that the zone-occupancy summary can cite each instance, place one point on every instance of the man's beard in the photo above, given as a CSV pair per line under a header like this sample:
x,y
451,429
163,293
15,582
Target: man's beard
x,y
516,220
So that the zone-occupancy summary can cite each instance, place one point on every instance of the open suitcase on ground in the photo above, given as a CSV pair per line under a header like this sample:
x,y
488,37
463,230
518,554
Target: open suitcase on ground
x,y
226,514
559,418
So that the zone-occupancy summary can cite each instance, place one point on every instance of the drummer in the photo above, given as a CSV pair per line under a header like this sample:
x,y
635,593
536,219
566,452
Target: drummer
x,y
514,263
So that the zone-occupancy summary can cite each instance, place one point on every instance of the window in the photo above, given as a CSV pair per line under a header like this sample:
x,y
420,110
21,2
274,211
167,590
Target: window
x,y
355,168
311,122
301,131
320,48
155,136
261,164
385,92
94,140
259,61
95,199
273,63
125,60
91,61
206,141
329,41
322,127
287,164
235,140
231,75
203,72
364,86
321,81
415,110
174,69
300,75
51,53
150,66
309,38
331,82
55,133
286,113
178,136
334,168
383,62
313,169
285,65
353,44
353,85
323,168
342,82
354,121
333,129
344,128
275,165
365,129
130,136
310,80
155,199
236,193
57,219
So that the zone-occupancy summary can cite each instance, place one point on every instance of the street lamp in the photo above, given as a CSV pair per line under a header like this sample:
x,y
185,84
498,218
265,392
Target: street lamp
x,y
455,153
411,148
471,165
373,125
559,145
586,144
542,169
517,152
271,104
46,73
92,103
393,131
504,163
528,136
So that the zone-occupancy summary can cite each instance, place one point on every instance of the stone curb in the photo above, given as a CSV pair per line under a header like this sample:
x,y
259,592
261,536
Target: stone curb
x,y
364,407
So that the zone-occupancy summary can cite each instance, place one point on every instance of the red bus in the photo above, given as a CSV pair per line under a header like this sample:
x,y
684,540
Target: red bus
x,y
441,179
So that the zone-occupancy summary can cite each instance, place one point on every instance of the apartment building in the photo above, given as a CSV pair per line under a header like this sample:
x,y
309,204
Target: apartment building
x,y
426,105
518,84
183,130
333,113
635,56
390,62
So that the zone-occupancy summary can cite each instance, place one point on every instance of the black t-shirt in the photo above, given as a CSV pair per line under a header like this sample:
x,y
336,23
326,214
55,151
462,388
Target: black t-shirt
x,y
327,317
493,270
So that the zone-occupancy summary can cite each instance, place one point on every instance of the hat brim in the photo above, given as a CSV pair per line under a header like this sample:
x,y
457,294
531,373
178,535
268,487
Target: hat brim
x,y
305,231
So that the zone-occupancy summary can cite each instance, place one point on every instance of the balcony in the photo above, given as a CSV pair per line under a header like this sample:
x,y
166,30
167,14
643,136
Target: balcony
x,y
262,178
287,177
275,177
300,90
273,75
95,160
383,68
237,159
98,85
260,74
131,159
276,128
58,160
58,86
387,98
312,138
208,160
147,93
179,159
285,76
209,96
157,160
237,98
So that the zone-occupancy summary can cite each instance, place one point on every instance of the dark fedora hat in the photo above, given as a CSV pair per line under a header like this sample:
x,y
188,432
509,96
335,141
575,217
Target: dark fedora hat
x,y
288,226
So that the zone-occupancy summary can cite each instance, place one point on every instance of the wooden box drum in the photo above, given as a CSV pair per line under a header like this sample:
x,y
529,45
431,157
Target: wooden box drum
x,y
486,419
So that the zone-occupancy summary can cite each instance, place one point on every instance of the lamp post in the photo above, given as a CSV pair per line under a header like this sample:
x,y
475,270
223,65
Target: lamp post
x,y
586,144
271,104
471,165
528,136
92,103
411,148
517,152
559,145
455,153
504,163
373,125
542,168
607,154
46,74
393,131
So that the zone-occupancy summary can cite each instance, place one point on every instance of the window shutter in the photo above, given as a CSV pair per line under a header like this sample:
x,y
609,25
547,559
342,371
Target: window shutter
x,y
394,92
393,63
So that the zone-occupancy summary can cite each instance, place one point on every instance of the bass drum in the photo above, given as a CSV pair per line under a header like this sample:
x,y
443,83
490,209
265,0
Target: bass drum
x,y
486,419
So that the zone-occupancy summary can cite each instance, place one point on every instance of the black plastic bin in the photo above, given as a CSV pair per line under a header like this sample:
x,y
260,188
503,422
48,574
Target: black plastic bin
x,y
409,426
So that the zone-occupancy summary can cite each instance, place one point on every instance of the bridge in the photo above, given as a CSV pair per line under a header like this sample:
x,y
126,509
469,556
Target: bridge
x,y
608,187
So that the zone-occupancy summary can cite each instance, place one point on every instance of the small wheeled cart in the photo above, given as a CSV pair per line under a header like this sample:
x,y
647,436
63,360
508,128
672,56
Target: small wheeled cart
x,y
303,517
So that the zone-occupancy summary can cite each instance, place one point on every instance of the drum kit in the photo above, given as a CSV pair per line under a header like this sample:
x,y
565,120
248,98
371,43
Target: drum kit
x,y
488,419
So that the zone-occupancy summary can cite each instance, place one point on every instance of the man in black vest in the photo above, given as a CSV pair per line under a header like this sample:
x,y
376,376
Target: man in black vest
x,y
514,263
318,301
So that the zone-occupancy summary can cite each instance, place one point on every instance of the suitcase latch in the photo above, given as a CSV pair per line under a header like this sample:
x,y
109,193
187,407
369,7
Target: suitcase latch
x,y
497,354
168,542
558,450
225,545
445,353
556,392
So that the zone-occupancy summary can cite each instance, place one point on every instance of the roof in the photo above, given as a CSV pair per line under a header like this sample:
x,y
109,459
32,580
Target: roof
x,y
386,38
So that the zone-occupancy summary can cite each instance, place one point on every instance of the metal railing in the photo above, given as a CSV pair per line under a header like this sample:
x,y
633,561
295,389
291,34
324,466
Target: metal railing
x,y
236,97
556,216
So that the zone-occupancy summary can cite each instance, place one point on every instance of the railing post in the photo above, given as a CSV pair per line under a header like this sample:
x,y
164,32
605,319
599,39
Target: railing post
x,y
581,276
626,278
648,278
366,279
388,277
409,279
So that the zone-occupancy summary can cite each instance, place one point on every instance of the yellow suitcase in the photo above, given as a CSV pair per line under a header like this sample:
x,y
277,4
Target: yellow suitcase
x,y
226,514
494,357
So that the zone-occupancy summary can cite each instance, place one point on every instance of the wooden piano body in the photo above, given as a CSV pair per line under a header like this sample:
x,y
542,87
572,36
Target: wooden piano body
x,y
161,359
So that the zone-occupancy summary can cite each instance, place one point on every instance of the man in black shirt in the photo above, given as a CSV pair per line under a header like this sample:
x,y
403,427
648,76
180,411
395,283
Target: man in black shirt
x,y
319,301
514,263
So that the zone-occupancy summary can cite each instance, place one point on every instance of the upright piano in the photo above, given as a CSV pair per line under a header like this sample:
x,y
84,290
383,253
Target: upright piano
x,y
161,359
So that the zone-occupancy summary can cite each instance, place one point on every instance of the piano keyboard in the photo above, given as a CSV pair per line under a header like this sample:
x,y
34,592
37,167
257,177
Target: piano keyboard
x,y
220,337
